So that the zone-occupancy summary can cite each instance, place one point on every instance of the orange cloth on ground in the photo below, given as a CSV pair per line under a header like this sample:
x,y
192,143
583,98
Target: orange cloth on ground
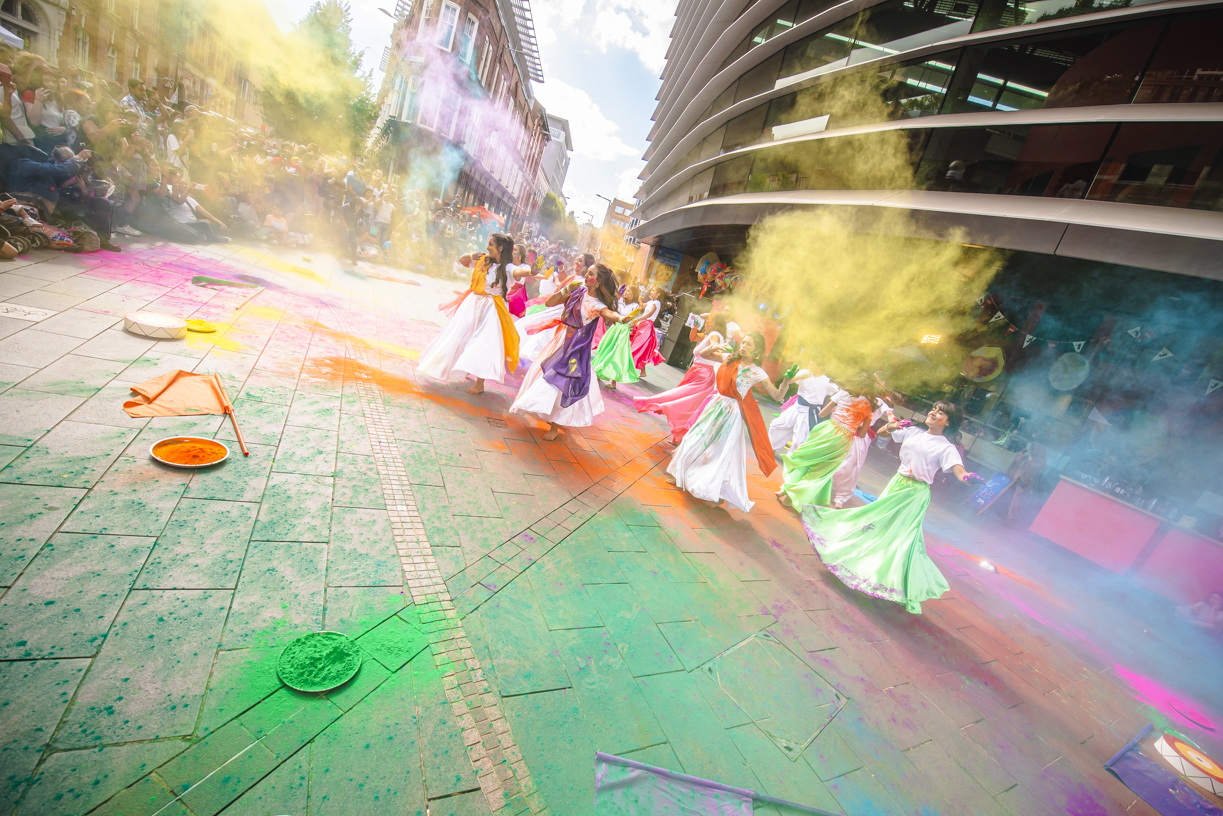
x,y
176,393
509,333
728,373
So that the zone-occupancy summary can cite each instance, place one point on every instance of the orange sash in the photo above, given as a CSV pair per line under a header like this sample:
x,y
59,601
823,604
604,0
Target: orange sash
x,y
725,382
509,334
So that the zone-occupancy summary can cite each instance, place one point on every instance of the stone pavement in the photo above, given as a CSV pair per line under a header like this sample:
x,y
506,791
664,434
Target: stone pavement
x,y
520,604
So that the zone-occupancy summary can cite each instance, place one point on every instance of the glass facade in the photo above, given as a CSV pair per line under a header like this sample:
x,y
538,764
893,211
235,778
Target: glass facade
x,y
1166,59
1167,164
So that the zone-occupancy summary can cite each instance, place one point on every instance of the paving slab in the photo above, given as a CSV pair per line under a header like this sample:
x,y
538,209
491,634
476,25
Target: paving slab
x,y
33,697
64,601
29,514
73,454
149,679
135,497
280,594
295,507
362,550
202,546
75,782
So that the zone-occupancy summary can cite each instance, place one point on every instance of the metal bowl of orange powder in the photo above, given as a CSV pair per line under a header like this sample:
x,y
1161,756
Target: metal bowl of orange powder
x,y
189,451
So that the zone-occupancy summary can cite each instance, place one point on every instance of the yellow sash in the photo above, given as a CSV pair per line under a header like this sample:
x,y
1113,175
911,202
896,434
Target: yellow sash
x,y
509,334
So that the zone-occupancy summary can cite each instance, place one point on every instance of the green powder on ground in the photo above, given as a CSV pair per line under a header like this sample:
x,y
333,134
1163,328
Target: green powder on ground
x,y
319,661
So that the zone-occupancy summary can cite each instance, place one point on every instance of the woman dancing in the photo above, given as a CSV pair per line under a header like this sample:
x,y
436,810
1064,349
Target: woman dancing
x,y
801,413
519,270
845,480
809,469
557,387
480,339
680,404
711,461
879,549
644,339
613,359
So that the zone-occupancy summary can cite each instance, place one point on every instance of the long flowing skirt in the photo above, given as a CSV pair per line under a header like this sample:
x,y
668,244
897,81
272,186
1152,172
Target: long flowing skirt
x,y
879,549
679,405
791,427
614,358
711,461
540,397
644,343
600,330
531,344
471,343
809,470
846,478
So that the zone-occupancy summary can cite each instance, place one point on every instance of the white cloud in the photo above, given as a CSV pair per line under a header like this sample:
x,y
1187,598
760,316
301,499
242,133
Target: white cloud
x,y
628,183
594,135
640,26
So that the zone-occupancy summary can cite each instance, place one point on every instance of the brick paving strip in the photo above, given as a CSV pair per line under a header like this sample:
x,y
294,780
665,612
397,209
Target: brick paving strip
x,y
500,768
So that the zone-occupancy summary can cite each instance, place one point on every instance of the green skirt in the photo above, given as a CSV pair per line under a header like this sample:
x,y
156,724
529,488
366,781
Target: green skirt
x,y
613,358
538,307
809,469
879,549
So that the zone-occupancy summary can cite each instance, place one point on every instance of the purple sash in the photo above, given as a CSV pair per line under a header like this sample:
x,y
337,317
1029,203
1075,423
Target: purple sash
x,y
569,368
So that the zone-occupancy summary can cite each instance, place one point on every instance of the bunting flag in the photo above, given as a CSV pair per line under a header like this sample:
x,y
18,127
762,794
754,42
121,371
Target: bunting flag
x,y
1163,354
1027,339
981,300
1134,331
998,316
1011,330
1213,386
1078,344
1053,344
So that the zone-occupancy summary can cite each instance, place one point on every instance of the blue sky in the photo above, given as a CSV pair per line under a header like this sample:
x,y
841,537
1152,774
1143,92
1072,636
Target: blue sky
x,y
601,61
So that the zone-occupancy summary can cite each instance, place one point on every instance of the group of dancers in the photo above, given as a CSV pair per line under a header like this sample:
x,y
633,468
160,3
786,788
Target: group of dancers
x,y
586,328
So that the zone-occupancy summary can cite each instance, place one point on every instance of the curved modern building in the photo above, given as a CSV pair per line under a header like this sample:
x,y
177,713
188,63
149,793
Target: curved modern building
x,y
1083,136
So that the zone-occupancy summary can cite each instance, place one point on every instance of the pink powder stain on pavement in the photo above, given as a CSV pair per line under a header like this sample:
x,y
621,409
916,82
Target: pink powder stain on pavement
x,y
122,271
1187,713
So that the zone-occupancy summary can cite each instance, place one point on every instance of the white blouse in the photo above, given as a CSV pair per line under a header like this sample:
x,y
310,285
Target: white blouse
x,y
923,454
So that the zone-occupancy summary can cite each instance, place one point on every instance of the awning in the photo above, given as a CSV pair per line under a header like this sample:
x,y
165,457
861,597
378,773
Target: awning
x,y
11,38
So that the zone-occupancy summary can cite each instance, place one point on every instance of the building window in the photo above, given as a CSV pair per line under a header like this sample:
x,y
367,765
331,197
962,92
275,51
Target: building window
x,y
136,14
110,6
22,19
445,26
422,30
82,47
467,41
112,62
430,109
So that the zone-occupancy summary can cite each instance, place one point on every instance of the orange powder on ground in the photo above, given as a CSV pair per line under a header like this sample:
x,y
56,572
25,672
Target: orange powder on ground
x,y
190,453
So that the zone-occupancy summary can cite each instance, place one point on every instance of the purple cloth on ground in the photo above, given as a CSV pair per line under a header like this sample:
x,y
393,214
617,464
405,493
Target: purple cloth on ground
x,y
1158,786
569,368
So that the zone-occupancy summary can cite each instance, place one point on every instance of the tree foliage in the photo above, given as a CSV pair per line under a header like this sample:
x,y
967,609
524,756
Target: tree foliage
x,y
315,91
553,221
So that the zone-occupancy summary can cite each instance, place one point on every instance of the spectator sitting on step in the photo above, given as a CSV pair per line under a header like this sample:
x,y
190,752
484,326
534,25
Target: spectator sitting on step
x,y
1207,614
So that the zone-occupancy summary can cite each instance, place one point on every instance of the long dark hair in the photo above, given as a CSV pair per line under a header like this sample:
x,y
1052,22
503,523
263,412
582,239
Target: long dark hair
x,y
522,253
605,285
505,255
955,416
757,354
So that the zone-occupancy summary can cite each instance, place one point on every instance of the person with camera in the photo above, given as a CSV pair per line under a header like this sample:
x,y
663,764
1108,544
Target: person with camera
x,y
59,182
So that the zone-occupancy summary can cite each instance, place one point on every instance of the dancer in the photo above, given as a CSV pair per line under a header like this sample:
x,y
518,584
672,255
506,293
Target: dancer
x,y
801,413
519,271
845,480
681,403
809,469
879,549
557,386
613,359
644,339
711,461
480,339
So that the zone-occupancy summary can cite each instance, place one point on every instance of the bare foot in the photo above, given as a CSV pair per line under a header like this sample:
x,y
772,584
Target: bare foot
x,y
551,434
476,389
712,504
670,479
611,386
783,499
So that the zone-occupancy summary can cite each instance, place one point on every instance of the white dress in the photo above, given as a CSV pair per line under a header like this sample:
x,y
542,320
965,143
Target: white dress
x,y
846,478
471,343
711,461
542,398
794,423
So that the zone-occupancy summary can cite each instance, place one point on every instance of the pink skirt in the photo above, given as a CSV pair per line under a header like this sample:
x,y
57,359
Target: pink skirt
x,y
600,330
516,300
644,342
680,405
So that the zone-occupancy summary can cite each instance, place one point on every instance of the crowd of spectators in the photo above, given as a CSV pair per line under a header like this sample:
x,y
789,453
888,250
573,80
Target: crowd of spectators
x,y
84,158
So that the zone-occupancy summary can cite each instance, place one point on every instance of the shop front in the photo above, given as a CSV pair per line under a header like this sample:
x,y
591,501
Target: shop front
x,y
1111,377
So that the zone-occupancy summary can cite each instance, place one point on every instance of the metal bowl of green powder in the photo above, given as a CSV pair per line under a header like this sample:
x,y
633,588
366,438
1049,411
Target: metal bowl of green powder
x,y
319,661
